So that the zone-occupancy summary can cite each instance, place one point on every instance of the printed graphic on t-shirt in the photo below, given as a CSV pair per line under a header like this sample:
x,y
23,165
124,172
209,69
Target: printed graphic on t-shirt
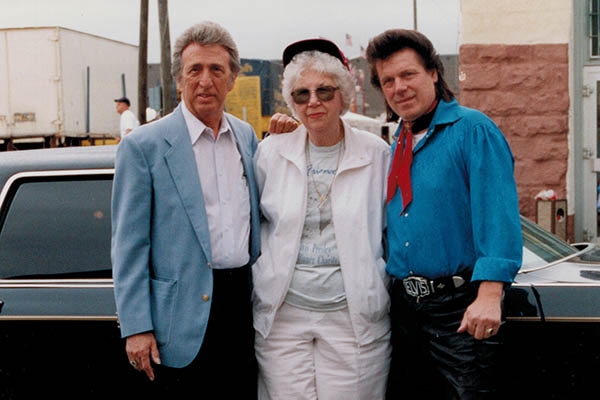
x,y
319,203
317,283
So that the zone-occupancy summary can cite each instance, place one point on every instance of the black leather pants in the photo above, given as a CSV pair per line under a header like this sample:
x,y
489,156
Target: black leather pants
x,y
430,359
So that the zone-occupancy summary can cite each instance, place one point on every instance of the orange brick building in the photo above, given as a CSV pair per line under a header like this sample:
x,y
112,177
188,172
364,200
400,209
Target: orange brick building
x,y
534,68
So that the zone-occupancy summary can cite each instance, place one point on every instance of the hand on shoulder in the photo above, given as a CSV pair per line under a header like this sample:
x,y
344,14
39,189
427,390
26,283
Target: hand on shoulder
x,y
282,123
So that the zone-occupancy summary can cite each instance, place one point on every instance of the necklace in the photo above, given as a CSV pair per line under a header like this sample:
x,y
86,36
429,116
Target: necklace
x,y
323,197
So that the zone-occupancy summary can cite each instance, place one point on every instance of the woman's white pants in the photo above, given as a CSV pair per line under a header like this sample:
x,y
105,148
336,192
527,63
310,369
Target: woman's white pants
x,y
314,355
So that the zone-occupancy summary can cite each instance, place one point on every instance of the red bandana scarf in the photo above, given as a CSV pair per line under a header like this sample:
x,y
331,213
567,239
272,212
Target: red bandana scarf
x,y
400,173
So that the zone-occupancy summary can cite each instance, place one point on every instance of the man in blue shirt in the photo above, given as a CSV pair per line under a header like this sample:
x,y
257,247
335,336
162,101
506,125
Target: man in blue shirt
x,y
453,226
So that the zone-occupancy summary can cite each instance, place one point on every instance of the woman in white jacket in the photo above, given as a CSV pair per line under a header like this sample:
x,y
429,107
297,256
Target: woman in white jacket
x,y
320,290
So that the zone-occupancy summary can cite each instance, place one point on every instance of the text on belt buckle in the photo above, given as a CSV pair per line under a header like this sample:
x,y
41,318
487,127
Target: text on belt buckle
x,y
417,286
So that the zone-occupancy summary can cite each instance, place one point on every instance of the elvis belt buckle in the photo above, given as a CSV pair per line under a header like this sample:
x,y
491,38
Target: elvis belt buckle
x,y
419,287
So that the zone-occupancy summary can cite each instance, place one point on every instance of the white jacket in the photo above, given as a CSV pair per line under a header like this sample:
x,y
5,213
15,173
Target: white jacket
x,y
357,202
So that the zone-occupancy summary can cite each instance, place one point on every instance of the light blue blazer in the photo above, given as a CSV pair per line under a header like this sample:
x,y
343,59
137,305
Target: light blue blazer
x,y
160,239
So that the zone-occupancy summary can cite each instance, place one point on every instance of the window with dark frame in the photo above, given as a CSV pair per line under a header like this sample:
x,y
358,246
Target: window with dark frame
x,y
594,27
57,228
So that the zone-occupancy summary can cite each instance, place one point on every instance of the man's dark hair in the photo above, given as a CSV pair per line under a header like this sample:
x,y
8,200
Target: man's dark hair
x,y
391,41
123,100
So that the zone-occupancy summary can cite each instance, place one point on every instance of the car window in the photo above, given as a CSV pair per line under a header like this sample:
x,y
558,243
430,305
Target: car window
x,y
56,227
540,243
592,256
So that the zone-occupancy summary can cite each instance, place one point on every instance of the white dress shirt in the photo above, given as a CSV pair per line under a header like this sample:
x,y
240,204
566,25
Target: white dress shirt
x,y
225,191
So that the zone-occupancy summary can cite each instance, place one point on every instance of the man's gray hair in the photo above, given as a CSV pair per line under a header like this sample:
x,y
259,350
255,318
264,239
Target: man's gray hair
x,y
205,33
319,62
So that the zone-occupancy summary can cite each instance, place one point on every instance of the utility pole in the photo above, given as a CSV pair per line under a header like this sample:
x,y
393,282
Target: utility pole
x,y
143,63
166,80
415,15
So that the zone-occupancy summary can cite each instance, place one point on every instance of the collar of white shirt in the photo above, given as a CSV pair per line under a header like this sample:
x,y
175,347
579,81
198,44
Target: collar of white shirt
x,y
197,127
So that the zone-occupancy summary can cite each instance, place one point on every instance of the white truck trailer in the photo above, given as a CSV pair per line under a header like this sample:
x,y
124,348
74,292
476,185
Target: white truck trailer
x,y
57,85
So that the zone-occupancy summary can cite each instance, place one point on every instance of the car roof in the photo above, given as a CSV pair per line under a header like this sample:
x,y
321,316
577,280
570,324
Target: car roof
x,y
68,158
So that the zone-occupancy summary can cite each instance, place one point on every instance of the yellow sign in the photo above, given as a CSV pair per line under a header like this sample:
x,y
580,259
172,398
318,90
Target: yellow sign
x,y
244,102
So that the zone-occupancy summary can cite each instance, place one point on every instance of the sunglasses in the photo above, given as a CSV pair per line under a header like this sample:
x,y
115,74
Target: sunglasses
x,y
324,93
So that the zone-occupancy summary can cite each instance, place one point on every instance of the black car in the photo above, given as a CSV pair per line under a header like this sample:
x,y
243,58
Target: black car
x,y
59,330
552,332
59,334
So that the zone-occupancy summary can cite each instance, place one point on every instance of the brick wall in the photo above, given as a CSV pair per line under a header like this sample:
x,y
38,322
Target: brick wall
x,y
525,90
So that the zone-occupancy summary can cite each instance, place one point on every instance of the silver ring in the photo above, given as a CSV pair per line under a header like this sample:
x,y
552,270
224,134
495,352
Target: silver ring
x,y
133,363
489,331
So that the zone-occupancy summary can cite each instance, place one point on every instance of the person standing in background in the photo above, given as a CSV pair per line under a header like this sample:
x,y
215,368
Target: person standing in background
x,y
128,121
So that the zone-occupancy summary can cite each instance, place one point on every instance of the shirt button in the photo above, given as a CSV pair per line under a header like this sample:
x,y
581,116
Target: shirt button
x,y
208,264
406,244
205,297
405,215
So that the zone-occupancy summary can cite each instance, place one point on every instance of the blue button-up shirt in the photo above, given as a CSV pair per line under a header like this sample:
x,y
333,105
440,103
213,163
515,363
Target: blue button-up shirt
x,y
464,215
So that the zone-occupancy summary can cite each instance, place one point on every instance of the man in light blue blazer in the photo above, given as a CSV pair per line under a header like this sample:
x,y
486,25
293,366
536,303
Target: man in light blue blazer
x,y
186,228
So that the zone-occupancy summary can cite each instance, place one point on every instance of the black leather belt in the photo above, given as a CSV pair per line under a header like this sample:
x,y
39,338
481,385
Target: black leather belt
x,y
421,287
231,272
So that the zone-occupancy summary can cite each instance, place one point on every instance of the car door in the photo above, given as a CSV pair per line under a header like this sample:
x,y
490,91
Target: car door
x,y
58,322
55,246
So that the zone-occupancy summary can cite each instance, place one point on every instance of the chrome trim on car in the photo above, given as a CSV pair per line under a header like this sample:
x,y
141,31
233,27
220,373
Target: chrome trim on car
x,y
58,318
555,319
525,319
589,246
56,283
572,319
51,173
555,284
